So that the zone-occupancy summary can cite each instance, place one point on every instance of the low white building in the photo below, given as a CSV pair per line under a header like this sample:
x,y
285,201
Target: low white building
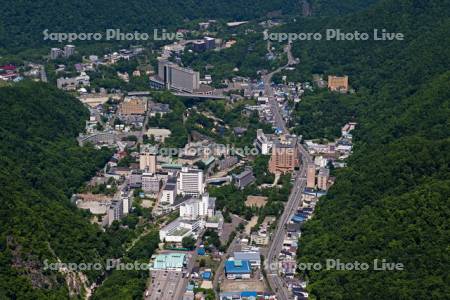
x,y
215,222
253,256
180,228
71,84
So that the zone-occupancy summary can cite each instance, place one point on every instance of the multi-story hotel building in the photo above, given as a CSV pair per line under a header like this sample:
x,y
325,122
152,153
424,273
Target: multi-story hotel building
x,y
285,155
178,78
191,182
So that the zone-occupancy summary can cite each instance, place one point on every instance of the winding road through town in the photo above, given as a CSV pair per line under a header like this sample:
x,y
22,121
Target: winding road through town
x,y
275,281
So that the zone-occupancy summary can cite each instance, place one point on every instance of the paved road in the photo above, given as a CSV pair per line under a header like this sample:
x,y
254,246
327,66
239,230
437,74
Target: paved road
x,y
220,274
275,281
164,285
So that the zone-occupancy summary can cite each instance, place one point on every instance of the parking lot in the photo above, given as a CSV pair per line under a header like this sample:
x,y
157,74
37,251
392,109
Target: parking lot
x,y
164,285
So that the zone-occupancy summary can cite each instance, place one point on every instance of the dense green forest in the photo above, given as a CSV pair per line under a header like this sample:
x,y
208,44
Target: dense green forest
x,y
392,202
126,284
41,166
327,7
321,113
23,21
248,55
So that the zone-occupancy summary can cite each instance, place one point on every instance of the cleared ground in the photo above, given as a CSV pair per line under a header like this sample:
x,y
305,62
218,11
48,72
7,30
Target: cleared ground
x,y
242,285
257,201
250,224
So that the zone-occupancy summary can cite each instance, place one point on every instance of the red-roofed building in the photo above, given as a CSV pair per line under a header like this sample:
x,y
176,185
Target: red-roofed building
x,y
8,68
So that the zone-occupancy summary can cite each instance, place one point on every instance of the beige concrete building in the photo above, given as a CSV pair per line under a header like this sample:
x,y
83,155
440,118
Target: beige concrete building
x,y
311,176
260,240
338,84
147,159
322,179
133,106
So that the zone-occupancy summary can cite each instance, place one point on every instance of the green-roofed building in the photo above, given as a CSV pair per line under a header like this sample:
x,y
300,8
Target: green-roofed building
x,y
208,161
169,261
171,166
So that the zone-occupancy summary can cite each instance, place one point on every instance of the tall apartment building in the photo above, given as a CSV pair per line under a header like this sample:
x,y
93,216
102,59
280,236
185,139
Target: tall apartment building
x,y
55,53
148,159
191,182
338,84
135,179
322,179
69,50
169,192
127,203
150,183
285,156
178,78
115,211
199,45
209,42
311,176
263,142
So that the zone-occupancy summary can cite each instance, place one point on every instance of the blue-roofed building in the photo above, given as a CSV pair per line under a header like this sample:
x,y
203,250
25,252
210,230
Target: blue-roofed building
x,y
201,251
312,192
237,269
246,295
298,219
207,275
249,295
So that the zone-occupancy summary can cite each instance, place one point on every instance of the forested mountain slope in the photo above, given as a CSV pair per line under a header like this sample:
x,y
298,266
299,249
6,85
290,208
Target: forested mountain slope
x,y
41,165
332,7
23,21
392,202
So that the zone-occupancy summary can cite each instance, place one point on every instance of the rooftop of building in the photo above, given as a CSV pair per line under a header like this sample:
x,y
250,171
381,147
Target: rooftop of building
x,y
247,255
324,172
170,186
237,266
169,260
243,174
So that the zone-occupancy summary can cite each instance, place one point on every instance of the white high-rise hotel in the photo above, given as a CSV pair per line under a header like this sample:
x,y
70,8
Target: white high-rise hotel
x,y
191,182
178,78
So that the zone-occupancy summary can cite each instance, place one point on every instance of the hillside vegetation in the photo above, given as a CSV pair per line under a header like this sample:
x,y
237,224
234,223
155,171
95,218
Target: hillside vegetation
x,y
22,22
41,166
392,202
